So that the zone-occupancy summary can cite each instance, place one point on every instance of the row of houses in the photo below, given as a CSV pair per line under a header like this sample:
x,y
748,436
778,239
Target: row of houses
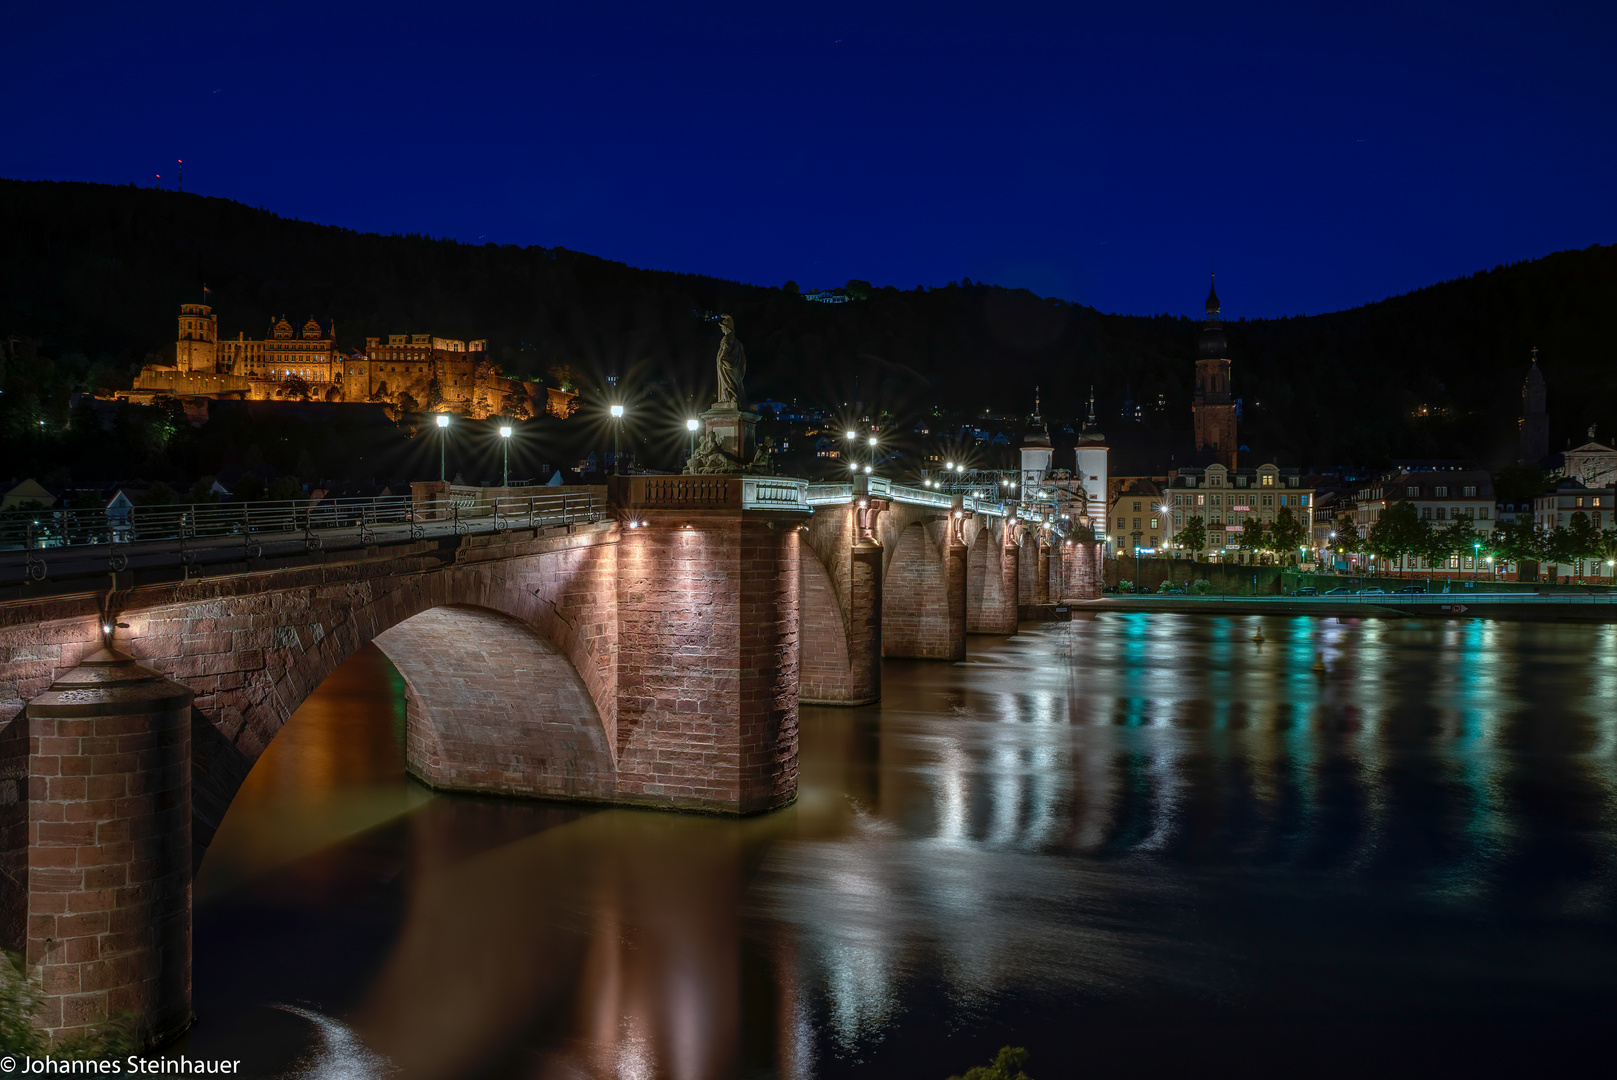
x,y
1148,515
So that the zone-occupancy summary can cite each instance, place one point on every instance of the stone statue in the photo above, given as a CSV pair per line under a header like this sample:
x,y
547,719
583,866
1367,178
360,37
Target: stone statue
x,y
1591,432
709,457
732,363
763,462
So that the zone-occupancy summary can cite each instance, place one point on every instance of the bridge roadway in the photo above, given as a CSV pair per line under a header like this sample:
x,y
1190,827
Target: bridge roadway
x,y
645,644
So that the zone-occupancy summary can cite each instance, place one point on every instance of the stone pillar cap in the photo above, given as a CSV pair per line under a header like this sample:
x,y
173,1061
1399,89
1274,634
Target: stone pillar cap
x,y
109,683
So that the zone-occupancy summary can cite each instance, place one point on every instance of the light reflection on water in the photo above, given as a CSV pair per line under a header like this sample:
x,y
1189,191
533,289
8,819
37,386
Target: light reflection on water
x,y
1136,844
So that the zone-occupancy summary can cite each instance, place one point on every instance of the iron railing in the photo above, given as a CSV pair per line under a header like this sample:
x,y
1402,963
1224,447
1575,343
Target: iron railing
x,y
33,542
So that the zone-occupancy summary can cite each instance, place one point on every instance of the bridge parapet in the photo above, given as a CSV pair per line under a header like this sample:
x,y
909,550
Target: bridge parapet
x,y
648,493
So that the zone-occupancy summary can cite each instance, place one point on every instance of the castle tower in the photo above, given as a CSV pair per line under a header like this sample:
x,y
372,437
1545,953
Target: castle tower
x,y
1535,422
1213,408
196,348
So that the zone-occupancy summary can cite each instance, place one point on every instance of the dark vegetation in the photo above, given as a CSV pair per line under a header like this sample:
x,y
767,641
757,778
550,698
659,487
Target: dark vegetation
x,y
91,276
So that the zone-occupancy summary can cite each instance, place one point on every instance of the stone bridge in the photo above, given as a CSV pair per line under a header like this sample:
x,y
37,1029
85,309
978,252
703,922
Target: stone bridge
x,y
653,658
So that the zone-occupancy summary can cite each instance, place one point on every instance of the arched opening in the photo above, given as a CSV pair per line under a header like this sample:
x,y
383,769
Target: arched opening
x,y
1027,571
824,670
491,705
986,601
915,602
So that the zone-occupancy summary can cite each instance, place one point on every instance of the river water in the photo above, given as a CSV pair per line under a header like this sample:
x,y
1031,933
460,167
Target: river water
x,y
1138,845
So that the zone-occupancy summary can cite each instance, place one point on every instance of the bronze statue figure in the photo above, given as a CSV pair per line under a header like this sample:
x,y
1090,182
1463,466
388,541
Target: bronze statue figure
x,y
732,363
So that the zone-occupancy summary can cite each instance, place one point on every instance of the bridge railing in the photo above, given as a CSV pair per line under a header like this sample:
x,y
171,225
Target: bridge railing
x,y
33,541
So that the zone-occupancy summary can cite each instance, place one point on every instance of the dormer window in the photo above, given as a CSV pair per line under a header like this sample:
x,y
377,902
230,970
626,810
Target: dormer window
x,y
1268,480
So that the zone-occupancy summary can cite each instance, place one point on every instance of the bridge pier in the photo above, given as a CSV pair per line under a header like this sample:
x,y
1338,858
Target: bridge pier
x,y
105,878
707,646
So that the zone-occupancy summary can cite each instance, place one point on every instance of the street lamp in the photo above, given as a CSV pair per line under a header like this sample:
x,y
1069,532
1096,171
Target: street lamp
x,y
691,425
505,441
617,426
1476,559
443,447
1136,534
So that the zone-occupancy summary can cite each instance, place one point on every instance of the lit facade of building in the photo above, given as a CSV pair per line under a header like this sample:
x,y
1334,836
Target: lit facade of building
x,y
1225,500
405,370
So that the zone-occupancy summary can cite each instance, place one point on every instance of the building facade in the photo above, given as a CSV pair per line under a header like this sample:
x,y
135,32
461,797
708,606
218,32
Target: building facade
x,y
1438,497
1226,499
1137,520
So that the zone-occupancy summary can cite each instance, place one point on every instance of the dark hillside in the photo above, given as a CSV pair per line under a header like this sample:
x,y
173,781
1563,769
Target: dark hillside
x,y
90,276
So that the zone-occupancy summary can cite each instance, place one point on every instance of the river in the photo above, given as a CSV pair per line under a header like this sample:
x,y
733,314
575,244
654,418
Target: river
x,y
1138,845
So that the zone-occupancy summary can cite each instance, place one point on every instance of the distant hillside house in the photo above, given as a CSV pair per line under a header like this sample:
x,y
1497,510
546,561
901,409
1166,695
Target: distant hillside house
x,y
827,296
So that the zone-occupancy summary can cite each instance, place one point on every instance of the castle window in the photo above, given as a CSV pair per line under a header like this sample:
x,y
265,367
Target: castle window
x,y
1268,480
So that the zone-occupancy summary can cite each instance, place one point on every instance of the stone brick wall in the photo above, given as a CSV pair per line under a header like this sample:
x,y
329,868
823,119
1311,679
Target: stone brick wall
x,y
825,673
991,584
109,849
495,707
707,659
919,612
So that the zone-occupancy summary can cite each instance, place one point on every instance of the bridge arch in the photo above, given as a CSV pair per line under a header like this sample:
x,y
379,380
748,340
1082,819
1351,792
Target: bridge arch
x,y
991,583
918,605
493,706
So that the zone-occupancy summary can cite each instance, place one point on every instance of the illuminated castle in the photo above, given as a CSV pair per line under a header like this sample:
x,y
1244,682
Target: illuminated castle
x,y
408,371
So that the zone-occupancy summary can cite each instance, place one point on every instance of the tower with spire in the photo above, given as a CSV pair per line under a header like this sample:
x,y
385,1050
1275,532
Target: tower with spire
x,y
1213,407
1535,422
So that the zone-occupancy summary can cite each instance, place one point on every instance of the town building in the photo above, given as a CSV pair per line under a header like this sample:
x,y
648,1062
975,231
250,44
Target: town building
x,y
1593,464
1557,510
408,371
1137,520
1213,406
1226,499
1438,496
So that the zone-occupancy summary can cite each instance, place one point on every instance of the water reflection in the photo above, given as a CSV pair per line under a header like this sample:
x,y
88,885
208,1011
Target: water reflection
x,y
1133,843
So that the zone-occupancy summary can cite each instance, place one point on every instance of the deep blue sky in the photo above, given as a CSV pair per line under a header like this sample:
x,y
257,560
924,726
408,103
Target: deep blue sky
x,y
1322,156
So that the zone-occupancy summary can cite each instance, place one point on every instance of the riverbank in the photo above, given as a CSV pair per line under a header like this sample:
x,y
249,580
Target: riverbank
x,y
1553,607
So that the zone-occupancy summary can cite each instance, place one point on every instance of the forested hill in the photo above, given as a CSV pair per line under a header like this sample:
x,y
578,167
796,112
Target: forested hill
x,y
91,275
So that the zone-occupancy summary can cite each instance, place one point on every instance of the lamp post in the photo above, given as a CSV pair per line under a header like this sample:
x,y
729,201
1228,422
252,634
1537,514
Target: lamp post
x,y
691,425
848,437
617,425
872,442
443,447
505,440
1136,534
1476,559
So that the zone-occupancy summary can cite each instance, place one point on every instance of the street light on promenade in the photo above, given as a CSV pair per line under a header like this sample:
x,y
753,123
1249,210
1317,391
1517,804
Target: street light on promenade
x,y
505,440
1476,559
617,426
1136,534
691,425
443,447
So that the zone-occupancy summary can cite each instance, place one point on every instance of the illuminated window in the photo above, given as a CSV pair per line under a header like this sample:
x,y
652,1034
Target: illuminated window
x,y
1268,480
1200,499
1154,523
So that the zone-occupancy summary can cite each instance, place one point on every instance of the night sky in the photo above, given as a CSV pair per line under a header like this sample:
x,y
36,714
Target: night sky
x,y
1107,154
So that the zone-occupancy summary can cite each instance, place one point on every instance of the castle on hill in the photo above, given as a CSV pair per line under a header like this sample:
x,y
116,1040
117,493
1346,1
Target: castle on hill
x,y
407,371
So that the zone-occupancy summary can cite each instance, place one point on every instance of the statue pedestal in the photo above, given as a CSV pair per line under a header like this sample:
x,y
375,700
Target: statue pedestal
x,y
735,431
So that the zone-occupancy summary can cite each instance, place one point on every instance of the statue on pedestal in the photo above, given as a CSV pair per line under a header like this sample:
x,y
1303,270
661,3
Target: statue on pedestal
x,y
732,364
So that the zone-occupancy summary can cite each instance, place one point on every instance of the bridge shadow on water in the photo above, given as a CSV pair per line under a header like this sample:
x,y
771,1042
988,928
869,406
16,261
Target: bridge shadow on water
x,y
1140,845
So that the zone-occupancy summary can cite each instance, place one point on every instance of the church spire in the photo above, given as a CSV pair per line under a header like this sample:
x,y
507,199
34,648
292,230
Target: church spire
x,y
1212,297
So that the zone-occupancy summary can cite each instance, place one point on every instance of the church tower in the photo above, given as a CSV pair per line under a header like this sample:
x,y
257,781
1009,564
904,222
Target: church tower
x,y
1213,407
1535,422
196,349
